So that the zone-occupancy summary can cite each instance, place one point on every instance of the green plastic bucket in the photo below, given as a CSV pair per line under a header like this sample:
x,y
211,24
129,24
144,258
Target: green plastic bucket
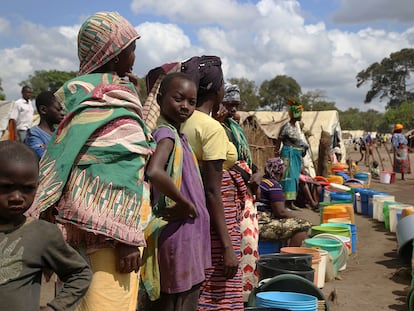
x,y
331,228
386,211
332,246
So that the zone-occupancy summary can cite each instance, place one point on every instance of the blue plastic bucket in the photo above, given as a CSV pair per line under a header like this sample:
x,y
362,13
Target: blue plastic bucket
x,y
345,176
289,300
341,196
365,193
269,247
357,199
364,177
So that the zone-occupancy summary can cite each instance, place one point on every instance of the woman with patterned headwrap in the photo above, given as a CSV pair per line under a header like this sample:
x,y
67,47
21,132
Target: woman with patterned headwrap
x,y
294,147
276,222
92,174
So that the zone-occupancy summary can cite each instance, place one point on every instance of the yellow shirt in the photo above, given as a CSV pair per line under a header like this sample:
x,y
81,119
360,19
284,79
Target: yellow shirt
x,y
209,140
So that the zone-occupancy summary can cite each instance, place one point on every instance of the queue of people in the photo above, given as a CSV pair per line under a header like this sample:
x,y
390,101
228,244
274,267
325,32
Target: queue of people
x,y
164,218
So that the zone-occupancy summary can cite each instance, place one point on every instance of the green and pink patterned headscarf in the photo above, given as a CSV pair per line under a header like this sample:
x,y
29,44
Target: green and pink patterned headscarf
x,y
101,38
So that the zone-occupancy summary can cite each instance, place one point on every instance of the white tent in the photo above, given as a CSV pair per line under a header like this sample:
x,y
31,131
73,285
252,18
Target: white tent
x,y
314,123
5,111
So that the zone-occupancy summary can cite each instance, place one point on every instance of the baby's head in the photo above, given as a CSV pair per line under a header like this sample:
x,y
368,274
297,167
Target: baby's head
x,y
19,171
375,163
177,97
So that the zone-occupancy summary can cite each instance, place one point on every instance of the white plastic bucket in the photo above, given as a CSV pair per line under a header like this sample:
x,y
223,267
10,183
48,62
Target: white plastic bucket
x,y
322,268
378,202
387,177
393,215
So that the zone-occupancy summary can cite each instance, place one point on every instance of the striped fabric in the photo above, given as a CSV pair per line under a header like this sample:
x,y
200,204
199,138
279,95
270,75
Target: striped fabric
x,y
217,292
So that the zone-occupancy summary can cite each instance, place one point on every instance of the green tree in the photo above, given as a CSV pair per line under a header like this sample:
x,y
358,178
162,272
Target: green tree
x,y
275,93
51,80
351,119
248,93
404,115
390,78
2,95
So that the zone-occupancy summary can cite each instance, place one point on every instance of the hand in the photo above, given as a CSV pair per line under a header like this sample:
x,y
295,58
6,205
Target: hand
x,y
230,263
46,308
132,78
179,212
129,258
221,114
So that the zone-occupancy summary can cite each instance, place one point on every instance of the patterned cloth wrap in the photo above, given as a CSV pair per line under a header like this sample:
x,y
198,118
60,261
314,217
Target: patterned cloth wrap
x,y
100,179
102,37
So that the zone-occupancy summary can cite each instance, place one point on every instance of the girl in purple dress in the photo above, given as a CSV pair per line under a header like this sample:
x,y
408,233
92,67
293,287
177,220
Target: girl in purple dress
x,y
184,242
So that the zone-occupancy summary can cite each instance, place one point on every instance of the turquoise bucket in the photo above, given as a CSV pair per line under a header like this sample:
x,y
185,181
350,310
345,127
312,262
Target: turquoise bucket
x,y
333,247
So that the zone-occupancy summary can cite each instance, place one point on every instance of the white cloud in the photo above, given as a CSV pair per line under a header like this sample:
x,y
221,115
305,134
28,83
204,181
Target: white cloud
x,y
257,42
4,26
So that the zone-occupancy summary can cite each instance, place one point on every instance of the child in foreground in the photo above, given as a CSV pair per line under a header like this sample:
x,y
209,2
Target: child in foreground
x,y
184,242
27,245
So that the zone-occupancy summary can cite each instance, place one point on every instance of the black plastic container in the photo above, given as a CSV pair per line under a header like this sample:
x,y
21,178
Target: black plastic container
x,y
268,269
288,259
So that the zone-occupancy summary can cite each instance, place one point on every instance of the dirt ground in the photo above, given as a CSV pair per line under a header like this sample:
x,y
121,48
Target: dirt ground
x,y
375,278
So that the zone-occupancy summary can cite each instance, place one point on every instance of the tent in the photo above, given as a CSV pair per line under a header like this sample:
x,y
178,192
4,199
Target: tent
x,y
314,122
5,111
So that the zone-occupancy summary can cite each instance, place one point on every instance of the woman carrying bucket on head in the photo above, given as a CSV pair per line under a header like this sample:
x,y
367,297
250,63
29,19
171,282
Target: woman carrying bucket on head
x,y
400,146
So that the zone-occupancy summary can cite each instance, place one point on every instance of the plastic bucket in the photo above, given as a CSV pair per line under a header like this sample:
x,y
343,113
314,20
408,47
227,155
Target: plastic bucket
x,y
339,220
316,257
290,300
333,247
365,178
393,209
334,211
364,193
268,269
371,201
387,177
340,196
352,230
386,212
322,268
289,259
269,247
289,283
378,202
335,229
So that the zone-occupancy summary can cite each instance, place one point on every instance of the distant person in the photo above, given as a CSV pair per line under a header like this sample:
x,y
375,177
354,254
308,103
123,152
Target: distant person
x,y
293,149
399,143
375,170
51,113
21,118
27,245
336,154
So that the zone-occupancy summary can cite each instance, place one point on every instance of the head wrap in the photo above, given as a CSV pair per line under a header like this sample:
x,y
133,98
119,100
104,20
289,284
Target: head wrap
x,y
398,126
101,38
206,72
231,93
295,108
274,166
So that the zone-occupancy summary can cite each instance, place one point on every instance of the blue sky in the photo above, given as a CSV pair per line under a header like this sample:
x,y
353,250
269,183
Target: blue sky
x,y
323,44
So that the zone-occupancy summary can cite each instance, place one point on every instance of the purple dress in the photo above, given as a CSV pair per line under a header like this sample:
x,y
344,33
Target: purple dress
x,y
184,250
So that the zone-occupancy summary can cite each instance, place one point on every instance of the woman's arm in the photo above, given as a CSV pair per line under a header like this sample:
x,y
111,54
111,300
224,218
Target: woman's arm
x,y
212,172
162,181
279,210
